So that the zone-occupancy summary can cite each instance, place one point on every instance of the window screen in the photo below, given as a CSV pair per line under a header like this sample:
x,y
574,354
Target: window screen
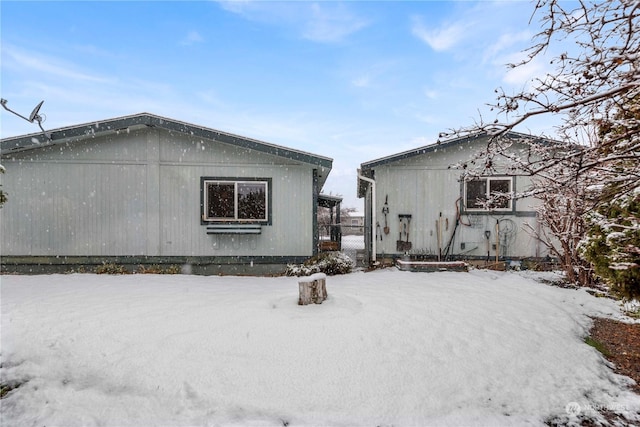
x,y
235,200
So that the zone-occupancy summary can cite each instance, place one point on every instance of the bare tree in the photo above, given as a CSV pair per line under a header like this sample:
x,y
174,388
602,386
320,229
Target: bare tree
x,y
562,216
595,84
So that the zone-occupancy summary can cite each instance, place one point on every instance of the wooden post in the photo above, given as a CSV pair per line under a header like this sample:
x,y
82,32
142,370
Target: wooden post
x,y
312,289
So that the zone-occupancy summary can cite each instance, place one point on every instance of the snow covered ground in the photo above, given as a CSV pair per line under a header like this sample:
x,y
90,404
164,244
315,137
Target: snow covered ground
x,y
387,348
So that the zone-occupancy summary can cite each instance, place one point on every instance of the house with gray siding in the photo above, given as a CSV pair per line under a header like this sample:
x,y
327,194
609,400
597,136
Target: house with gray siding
x,y
418,205
144,189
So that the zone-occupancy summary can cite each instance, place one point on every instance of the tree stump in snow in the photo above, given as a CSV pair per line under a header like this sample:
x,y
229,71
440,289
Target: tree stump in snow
x,y
313,289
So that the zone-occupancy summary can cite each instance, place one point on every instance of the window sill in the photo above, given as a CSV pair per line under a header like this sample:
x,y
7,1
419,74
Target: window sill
x,y
234,229
488,212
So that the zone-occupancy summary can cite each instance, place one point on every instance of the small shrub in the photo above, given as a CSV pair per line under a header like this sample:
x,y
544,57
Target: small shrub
x,y
330,263
159,269
110,268
173,269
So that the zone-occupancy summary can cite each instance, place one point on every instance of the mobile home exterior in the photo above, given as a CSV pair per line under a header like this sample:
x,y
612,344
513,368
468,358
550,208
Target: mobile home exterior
x,y
145,189
418,204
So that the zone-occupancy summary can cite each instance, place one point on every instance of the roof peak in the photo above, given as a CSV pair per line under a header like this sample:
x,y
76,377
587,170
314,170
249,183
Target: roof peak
x,y
114,125
454,140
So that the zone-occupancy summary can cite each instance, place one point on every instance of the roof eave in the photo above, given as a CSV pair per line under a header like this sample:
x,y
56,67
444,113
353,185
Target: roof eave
x,y
440,145
105,127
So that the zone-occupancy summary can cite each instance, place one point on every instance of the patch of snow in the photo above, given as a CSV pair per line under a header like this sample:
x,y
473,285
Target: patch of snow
x,y
622,265
386,348
312,278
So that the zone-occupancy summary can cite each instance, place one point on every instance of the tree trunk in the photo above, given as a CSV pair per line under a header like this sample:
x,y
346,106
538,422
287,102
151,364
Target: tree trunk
x,y
312,289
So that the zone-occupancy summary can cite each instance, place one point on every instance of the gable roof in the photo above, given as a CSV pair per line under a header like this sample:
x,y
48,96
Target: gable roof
x,y
440,145
138,121
366,168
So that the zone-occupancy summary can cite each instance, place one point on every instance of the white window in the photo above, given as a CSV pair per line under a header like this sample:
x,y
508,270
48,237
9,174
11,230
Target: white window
x,y
235,201
496,190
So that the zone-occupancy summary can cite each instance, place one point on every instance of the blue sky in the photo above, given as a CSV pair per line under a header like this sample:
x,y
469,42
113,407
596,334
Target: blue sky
x,y
353,80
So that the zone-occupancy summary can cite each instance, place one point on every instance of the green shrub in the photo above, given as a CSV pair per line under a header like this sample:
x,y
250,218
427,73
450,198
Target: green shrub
x,y
613,244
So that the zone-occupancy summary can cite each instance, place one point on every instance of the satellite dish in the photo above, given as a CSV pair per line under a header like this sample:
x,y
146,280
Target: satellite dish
x,y
34,114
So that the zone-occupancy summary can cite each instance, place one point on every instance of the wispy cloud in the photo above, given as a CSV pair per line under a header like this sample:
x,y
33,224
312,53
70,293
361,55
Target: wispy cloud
x,y
523,75
371,74
505,42
439,39
31,62
361,81
331,23
236,6
322,22
282,14
192,37
430,93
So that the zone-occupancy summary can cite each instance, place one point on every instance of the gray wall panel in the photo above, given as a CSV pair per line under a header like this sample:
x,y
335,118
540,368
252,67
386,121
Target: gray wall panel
x,y
425,186
74,209
138,193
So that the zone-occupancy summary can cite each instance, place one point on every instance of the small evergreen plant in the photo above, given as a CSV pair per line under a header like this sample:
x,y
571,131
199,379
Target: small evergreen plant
x,y
613,244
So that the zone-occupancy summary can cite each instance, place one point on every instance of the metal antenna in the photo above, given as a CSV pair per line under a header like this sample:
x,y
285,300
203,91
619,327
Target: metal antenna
x,y
34,116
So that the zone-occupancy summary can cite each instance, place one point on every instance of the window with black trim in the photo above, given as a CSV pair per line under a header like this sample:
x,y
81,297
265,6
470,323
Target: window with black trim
x,y
230,200
497,190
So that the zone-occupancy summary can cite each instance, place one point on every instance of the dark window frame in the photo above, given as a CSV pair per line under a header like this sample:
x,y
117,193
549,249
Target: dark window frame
x,y
511,207
205,219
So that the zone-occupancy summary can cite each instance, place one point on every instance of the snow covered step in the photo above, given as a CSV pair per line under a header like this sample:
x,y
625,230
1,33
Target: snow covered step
x,y
431,266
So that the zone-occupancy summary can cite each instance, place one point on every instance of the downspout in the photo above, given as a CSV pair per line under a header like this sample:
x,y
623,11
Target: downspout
x,y
314,209
373,214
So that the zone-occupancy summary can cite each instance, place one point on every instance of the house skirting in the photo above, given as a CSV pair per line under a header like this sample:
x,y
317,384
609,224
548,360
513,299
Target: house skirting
x,y
200,265
431,266
421,262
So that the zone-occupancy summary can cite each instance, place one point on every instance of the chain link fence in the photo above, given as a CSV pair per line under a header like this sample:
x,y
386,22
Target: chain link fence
x,y
348,239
